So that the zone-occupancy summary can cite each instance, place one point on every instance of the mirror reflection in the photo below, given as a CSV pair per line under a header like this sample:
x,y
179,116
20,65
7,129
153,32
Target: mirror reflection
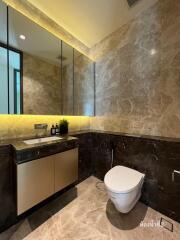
x,y
83,85
39,73
4,89
67,79
41,53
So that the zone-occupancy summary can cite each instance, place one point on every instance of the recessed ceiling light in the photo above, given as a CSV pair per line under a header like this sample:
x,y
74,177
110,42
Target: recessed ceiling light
x,y
22,37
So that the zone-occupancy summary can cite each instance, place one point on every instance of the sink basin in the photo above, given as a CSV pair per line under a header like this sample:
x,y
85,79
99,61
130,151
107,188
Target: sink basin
x,y
42,140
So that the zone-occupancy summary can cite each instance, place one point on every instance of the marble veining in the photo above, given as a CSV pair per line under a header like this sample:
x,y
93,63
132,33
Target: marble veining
x,y
92,216
67,88
43,83
83,85
138,74
155,158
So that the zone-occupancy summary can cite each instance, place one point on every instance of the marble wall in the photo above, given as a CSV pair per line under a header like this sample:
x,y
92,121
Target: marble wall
x,y
83,85
41,86
156,157
137,71
67,89
138,74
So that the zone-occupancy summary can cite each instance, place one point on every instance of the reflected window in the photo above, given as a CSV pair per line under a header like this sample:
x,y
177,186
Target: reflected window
x,y
10,94
17,92
3,81
14,82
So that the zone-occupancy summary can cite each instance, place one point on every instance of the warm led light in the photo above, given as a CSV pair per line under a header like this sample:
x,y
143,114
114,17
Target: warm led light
x,y
43,22
14,126
22,37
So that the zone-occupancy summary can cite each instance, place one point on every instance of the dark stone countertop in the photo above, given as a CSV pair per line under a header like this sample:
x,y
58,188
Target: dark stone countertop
x,y
19,145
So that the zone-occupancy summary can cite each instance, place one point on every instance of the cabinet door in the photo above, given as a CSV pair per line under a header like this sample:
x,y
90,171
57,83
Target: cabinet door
x,y
66,168
35,182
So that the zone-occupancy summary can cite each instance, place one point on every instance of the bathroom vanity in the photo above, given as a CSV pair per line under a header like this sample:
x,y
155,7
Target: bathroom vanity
x,y
31,173
43,170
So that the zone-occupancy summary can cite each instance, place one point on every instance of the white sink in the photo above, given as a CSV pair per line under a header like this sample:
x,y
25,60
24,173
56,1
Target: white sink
x,y
42,140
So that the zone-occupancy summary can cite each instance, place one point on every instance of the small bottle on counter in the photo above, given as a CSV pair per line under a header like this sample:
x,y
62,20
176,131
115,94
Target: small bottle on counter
x,y
57,129
53,130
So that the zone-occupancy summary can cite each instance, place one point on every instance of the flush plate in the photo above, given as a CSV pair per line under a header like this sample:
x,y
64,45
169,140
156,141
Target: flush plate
x,y
42,140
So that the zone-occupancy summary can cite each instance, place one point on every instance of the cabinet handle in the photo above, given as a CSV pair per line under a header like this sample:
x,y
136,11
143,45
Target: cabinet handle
x,y
173,174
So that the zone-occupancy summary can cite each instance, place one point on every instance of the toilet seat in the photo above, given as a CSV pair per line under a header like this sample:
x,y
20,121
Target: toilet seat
x,y
121,179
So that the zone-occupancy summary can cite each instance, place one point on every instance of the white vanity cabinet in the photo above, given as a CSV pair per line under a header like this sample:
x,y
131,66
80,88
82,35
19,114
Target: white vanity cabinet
x,y
41,178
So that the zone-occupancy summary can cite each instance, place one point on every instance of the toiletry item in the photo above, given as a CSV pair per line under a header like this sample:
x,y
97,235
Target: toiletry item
x,y
63,127
57,129
53,130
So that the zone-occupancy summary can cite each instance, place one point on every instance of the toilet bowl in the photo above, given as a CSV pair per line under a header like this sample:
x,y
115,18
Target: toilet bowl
x,y
124,187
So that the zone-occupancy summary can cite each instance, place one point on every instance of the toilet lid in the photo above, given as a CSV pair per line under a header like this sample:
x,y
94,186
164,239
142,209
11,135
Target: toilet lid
x,y
122,179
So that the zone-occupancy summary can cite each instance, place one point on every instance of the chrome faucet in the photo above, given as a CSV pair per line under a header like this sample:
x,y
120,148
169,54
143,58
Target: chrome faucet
x,y
39,127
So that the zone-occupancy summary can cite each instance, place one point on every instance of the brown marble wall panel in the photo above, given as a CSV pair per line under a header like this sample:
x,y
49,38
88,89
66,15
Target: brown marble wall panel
x,y
138,74
7,196
102,154
157,159
98,152
85,166
41,86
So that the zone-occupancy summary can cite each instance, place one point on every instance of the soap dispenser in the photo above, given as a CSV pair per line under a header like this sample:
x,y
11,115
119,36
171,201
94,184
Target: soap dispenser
x,y
53,130
57,129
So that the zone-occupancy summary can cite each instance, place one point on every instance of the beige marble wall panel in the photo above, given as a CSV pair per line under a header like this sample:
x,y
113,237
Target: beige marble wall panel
x,y
83,85
138,74
67,89
41,86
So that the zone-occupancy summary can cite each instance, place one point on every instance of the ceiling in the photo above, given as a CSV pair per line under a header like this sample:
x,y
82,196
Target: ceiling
x,y
38,42
90,21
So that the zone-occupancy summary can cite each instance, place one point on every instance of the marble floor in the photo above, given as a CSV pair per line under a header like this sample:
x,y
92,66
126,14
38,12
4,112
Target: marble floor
x,y
85,213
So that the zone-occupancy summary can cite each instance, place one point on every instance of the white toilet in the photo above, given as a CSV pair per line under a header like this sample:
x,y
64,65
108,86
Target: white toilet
x,y
124,187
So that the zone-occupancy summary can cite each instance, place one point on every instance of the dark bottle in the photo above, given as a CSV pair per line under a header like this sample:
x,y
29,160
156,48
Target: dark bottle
x,y
53,130
57,129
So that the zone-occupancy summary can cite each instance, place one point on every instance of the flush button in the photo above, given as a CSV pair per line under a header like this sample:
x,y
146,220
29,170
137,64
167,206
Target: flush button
x,y
175,172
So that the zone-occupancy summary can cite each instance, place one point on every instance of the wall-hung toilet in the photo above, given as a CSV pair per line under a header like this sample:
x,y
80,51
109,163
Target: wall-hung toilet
x,y
124,187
